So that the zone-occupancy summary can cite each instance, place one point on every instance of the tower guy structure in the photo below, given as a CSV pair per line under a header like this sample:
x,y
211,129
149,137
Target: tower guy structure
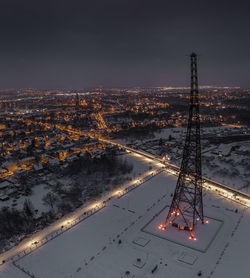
x,y
186,210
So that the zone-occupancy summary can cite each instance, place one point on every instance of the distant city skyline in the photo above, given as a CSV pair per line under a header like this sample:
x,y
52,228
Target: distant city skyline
x,y
74,45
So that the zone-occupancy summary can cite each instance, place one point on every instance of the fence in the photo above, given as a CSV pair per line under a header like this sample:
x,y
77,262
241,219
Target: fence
x,y
14,259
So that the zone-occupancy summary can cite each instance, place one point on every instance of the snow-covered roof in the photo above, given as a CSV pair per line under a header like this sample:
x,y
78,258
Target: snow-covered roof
x,y
38,167
4,184
53,162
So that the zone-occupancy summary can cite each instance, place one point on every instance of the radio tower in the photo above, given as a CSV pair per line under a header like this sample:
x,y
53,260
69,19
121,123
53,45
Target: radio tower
x,y
77,101
186,210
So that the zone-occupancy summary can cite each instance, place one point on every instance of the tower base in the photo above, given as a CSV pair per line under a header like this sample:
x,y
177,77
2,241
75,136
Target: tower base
x,y
204,234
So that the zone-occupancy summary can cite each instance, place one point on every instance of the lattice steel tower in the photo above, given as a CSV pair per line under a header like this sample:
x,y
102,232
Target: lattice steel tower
x,y
186,209
77,101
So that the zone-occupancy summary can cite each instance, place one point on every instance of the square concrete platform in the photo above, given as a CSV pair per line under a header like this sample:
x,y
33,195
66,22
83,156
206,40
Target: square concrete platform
x,y
204,233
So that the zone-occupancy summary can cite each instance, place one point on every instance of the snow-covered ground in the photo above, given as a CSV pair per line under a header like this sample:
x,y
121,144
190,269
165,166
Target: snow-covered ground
x,y
39,190
227,163
112,243
36,196
140,164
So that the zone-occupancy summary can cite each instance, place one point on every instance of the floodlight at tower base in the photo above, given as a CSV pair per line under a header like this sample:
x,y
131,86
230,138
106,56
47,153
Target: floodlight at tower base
x,y
189,229
198,239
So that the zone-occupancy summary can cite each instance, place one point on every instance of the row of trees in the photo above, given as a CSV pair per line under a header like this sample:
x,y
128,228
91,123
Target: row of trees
x,y
15,223
89,177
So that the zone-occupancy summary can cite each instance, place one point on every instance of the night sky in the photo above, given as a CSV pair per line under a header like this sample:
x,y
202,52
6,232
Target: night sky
x,y
81,43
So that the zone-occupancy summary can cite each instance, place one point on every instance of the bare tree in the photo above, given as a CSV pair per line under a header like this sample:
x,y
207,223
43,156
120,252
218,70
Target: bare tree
x,y
50,199
28,208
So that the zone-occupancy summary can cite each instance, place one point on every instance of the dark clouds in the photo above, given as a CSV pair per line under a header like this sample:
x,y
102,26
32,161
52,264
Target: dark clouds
x,y
75,44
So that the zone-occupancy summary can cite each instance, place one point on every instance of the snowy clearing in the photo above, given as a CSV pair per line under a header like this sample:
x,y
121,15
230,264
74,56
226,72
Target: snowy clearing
x,y
109,243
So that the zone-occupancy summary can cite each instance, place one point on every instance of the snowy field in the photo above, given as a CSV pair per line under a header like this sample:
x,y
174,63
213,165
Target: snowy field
x,y
36,198
140,165
225,162
112,243
231,167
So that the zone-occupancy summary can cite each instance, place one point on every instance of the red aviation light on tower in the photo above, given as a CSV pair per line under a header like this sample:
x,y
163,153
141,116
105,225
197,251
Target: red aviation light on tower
x,y
192,238
161,227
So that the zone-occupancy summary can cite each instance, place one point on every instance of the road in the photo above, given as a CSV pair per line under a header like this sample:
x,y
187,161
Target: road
x,y
223,190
